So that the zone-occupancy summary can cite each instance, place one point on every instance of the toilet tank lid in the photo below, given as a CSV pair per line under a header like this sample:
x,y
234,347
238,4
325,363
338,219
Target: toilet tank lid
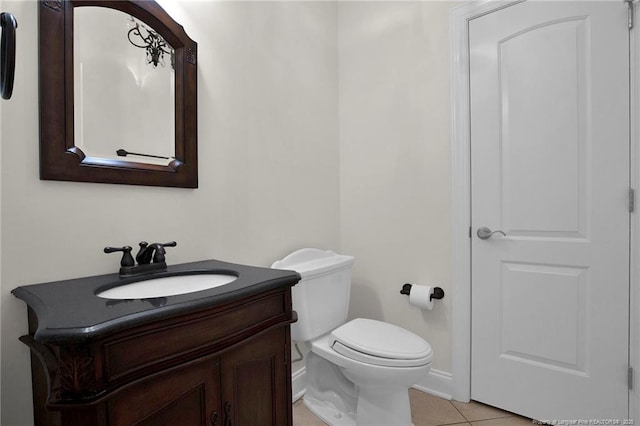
x,y
381,339
311,261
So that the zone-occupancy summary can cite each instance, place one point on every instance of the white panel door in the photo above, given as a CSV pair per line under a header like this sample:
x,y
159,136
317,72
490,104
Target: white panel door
x,y
550,168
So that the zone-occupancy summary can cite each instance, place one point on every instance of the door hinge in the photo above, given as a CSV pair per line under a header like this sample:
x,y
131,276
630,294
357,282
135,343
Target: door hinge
x,y
632,200
469,232
630,378
629,13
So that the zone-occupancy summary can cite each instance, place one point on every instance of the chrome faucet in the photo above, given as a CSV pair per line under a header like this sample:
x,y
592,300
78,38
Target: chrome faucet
x,y
146,254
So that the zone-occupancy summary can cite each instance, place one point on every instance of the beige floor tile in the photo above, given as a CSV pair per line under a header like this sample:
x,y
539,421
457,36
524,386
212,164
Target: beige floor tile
x,y
474,411
429,410
505,421
303,417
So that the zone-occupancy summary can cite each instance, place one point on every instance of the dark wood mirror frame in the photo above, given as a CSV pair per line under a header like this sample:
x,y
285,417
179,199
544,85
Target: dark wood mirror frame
x,y
60,159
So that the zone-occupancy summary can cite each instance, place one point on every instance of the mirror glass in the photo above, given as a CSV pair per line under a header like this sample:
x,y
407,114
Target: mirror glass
x,y
118,94
124,88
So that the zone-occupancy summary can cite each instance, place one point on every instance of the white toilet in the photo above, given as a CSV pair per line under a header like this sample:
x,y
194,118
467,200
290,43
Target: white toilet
x,y
358,372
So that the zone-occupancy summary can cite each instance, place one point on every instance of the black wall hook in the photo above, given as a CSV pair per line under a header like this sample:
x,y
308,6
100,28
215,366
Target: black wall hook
x,y
7,54
438,293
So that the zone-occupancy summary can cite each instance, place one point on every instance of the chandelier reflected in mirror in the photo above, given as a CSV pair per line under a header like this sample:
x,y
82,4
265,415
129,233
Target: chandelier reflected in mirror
x,y
145,38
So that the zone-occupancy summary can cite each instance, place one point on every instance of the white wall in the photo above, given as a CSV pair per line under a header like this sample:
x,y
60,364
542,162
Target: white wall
x,y
284,163
268,155
395,193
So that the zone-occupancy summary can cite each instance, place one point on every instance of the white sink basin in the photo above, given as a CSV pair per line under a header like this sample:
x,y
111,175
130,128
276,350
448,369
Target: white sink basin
x,y
168,286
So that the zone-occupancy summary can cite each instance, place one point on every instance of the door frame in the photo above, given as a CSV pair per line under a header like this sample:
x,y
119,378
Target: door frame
x,y
461,198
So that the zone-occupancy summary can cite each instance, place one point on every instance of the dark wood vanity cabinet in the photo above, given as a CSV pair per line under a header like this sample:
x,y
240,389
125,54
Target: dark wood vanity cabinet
x,y
253,383
186,396
243,386
219,366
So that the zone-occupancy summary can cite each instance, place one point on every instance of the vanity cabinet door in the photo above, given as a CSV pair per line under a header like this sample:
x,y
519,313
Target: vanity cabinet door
x,y
185,396
256,381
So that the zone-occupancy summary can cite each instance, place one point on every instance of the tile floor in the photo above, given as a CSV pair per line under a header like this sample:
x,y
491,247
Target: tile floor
x,y
428,410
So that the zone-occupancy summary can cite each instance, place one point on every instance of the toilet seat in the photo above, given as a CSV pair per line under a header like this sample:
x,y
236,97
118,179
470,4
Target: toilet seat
x,y
379,343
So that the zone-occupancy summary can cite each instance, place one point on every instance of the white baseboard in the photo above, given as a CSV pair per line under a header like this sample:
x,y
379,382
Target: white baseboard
x,y
438,383
299,383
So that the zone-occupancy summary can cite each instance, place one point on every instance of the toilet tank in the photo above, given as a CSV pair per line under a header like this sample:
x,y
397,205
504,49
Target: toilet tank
x,y
321,298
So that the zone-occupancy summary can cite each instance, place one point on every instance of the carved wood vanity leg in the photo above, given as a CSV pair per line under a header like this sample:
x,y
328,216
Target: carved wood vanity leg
x,y
40,379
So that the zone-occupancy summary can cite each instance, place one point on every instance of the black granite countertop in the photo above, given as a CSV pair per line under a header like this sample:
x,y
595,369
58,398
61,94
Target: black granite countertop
x,y
69,310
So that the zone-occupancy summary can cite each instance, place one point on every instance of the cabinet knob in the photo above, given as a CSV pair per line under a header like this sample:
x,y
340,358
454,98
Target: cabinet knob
x,y
214,418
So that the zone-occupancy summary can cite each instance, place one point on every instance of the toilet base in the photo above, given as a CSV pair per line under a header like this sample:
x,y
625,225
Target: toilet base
x,y
329,413
329,395
333,397
334,417
388,407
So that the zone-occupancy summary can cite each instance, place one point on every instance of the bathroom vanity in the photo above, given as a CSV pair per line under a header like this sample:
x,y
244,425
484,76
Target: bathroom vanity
x,y
214,357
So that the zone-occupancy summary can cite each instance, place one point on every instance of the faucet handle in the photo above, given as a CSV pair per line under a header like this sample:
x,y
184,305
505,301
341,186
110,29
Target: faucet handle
x,y
127,259
158,255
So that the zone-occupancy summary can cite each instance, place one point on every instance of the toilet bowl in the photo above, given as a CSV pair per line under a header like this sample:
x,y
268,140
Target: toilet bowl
x,y
381,382
359,371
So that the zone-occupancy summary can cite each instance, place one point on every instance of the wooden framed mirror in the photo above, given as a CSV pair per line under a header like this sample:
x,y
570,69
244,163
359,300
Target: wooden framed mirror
x,y
118,94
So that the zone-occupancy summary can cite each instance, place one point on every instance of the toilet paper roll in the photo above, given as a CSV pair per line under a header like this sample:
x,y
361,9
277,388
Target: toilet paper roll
x,y
420,296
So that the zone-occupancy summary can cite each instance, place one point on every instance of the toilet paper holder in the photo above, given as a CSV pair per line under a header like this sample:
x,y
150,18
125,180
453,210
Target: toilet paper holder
x,y
438,293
